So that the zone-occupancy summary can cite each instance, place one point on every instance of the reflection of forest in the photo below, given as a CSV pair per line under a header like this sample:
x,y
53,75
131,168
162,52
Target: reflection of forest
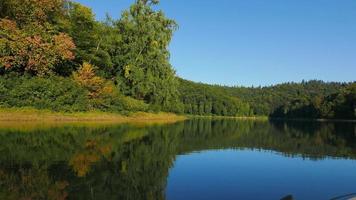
x,y
308,139
128,162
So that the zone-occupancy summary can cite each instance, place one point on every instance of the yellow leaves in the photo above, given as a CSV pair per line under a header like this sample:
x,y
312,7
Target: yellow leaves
x,y
100,92
86,77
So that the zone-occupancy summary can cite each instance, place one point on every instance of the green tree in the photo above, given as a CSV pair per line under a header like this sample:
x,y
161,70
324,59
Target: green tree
x,y
141,57
89,35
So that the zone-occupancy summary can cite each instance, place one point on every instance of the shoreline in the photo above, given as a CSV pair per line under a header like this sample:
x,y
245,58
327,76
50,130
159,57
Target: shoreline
x,y
36,115
25,115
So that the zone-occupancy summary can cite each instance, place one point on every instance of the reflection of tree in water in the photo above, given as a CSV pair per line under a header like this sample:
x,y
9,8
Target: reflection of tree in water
x,y
308,139
128,162
318,140
136,169
92,153
123,162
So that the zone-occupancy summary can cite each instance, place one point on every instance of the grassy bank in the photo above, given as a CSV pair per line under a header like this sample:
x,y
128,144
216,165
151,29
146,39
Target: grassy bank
x,y
35,115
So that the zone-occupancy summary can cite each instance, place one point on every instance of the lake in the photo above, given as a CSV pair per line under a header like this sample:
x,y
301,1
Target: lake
x,y
195,159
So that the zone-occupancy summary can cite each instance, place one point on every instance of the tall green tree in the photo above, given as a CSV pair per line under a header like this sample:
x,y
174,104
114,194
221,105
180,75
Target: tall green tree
x,y
141,57
90,36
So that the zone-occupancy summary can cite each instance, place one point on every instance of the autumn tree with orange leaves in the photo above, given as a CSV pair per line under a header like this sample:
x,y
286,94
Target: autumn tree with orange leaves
x,y
28,41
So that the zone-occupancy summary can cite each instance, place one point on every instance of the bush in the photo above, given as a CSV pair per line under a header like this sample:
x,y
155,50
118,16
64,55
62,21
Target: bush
x,y
132,104
55,93
62,94
3,92
109,99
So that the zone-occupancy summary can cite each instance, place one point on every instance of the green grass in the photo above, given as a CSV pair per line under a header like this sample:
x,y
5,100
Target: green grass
x,y
35,115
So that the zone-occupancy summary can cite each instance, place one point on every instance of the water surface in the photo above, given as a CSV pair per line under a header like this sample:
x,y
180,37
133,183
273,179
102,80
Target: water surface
x,y
195,159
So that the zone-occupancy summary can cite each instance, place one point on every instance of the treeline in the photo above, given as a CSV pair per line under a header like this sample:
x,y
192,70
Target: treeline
x,y
264,100
55,55
203,99
340,105
57,51
309,99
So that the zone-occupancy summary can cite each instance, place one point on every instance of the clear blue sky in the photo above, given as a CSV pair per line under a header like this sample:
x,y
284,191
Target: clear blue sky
x,y
257,42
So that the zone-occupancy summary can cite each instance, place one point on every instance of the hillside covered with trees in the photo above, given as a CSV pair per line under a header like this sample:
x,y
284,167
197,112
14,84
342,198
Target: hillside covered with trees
x,y
55,55
311,99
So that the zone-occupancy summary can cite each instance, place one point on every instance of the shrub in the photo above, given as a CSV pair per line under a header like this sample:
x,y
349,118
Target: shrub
x,y
55,93
64,94
3,92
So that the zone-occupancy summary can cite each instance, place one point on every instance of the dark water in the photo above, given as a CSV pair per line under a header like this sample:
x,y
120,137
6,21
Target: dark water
x,y
196,159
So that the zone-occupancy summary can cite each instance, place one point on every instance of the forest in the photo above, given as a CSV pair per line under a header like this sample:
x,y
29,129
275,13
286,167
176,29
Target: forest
x,y
55,55
308,99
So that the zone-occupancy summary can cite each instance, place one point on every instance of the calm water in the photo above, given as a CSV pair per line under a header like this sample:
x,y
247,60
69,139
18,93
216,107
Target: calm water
x,y
196,159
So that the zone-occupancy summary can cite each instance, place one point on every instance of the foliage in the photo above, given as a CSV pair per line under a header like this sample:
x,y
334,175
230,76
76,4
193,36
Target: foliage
x,y
29,40
340,105
55,93
126,67
85,77
54,37
102,93
61,94
91,37
203,99
312,99
31,11
266,100
23,51
142,62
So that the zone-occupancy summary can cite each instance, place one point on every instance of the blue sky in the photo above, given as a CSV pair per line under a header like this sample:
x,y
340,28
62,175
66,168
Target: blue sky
x,y
257,42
